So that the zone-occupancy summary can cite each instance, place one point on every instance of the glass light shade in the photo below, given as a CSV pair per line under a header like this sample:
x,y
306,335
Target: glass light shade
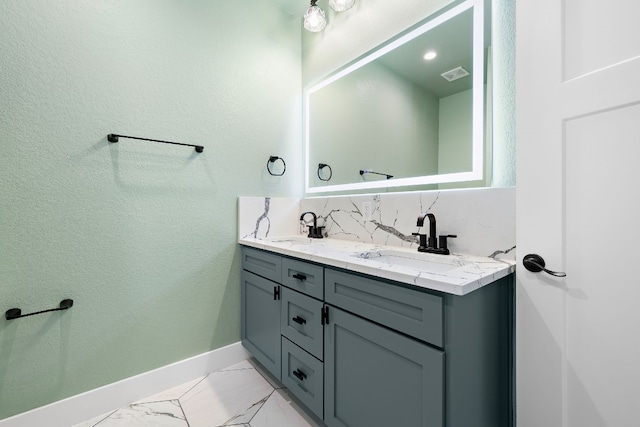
x,y
314,19
341,5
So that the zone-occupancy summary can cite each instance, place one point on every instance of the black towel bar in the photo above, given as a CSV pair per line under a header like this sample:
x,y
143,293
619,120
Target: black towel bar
x,y
112,137
16,313
363,171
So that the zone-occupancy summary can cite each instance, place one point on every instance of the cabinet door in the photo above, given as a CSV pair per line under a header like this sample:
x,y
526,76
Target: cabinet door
x,y
377,377
261,320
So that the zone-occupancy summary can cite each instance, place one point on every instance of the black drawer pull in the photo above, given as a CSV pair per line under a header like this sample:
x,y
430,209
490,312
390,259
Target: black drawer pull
x,y
299,320
299,276
276,293
300,375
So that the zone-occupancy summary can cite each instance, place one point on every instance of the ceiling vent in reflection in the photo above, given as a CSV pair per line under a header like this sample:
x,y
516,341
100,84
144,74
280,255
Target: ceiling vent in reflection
x,y
455,74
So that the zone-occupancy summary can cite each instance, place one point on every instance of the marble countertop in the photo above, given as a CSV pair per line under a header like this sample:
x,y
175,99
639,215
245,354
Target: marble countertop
x,y
454,274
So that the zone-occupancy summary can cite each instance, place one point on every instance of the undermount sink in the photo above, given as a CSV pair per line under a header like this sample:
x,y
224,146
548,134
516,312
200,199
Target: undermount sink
x,y
419,261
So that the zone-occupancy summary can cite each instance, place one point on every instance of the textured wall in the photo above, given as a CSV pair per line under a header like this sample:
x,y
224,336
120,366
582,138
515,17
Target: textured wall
x,y
142,236
504,89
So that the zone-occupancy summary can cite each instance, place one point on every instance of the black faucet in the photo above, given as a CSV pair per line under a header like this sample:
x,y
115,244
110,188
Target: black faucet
x,y
315,232
430,245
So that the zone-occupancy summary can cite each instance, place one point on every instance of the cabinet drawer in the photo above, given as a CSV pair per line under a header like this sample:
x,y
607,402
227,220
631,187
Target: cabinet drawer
x,y
262,263
303,375
303,277
409,311
301,321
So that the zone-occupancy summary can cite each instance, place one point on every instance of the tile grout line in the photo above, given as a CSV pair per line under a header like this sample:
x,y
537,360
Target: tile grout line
x,y
106,416
194,386
183,413
265,402
267,379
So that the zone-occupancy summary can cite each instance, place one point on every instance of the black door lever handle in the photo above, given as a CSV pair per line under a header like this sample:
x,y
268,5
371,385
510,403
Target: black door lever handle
x,y
535,263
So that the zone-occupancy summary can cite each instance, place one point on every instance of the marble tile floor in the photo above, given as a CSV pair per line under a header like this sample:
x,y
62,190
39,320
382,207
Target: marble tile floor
x,y
242,395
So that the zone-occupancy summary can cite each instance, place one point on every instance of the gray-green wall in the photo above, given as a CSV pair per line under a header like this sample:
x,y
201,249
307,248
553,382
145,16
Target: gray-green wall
x,y
141,235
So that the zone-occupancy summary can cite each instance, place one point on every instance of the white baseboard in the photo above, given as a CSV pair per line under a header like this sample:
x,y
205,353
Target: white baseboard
x,y
81,407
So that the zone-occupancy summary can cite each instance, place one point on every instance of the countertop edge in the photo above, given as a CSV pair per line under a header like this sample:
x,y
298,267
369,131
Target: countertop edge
x,y
444,284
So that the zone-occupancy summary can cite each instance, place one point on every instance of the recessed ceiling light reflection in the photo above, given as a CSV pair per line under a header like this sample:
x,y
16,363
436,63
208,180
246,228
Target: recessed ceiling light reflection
x,y
430,55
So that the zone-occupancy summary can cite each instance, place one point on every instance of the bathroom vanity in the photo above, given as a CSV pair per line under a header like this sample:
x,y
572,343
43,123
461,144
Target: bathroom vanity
x,y
363,340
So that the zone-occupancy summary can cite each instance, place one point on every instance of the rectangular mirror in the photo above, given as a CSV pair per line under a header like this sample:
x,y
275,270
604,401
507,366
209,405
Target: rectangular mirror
x,y
394,118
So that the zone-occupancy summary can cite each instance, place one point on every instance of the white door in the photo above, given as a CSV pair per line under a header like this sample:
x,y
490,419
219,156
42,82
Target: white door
x,y
578,206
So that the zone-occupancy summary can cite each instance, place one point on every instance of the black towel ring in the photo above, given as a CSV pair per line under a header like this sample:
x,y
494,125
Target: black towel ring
x,y
322,166
273,159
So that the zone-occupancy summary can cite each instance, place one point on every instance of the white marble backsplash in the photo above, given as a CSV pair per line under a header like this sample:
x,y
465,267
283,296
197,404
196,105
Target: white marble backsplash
x,y
483,219
261,217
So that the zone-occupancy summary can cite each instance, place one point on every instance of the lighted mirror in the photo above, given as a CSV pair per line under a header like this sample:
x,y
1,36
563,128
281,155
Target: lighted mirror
x,y
409,113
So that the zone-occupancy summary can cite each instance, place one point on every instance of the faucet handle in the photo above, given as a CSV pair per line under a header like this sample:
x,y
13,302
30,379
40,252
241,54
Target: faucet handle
x,y
442,242
423,241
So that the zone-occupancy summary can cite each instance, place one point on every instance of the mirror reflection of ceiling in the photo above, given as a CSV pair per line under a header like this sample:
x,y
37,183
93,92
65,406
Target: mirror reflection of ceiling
x,y
451,43
447,41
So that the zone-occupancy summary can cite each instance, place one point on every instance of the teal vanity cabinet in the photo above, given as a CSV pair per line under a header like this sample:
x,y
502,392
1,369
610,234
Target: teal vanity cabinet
x,y
361,351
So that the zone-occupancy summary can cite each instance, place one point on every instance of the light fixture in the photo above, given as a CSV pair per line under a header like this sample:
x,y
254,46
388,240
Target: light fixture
x,y
314,18
430,55
341,5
